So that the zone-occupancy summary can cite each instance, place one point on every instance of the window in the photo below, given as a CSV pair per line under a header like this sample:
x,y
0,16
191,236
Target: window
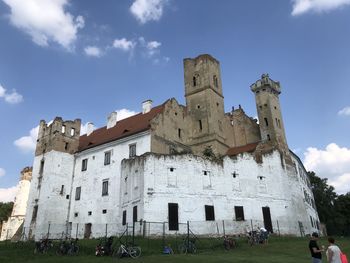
x,y
105,188
200,125
132,150
194,80
63,129
67,197
179,133
41,170
124,218
312,222
266,122
104,211
72,132
84,164
75,214
107,158
173,216
77,193
268,137
89,213
35,212
134,214
209,213
62,190
215,79
239,212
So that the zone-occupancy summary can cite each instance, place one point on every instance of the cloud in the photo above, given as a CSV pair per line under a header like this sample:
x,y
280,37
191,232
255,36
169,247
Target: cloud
x,y
333,163
2,172
345,111
147,10
124,113
93,51
27,143
317,6
45,21
8,194
12,97
124,44
150,47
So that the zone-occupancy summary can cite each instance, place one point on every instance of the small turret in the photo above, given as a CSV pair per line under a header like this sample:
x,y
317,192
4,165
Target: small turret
x,y
62,136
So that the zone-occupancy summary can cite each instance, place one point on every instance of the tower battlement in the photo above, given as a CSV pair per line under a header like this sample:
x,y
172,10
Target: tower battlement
x,y
266,83
59,135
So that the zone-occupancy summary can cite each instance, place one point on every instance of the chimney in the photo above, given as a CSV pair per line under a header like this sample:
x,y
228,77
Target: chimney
x,y
112,120
146,106
90,128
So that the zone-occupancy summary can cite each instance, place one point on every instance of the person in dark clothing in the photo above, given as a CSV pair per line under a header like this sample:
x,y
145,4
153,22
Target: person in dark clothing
x,y
316,252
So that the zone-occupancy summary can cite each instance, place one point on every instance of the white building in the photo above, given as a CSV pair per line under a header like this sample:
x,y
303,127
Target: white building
x,y
173,164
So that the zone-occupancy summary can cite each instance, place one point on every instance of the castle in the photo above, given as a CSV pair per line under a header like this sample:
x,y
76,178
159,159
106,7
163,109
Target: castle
x,y
172,163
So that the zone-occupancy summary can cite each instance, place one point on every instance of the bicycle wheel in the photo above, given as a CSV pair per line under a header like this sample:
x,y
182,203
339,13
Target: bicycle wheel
x,y
182,249
134,252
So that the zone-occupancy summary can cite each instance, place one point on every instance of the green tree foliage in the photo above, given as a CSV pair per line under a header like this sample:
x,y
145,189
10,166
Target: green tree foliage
x,y
333,210
5,210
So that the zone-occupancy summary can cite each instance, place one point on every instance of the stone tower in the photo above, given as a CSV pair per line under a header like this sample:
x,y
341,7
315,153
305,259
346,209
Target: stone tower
x,y
269,113
53,167
205,103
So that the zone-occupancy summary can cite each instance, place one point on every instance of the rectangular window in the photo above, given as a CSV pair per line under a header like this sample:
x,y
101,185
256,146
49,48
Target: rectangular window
x,y
41,170
62,190
72,132
105,188
266,122
104,211
35,212
89,213
239,212
209,213
200,125
134,214
124,218
77,193
312,222
107,158
179,133
84,164
132,150
63,129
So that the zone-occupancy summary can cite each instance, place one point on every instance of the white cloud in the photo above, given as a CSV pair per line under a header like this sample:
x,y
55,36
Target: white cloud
x,y
8,194
318,6
345,111
28,143
12,98
151,47
332,163
124,113
93,51
2,172
45,21
124,44
147,10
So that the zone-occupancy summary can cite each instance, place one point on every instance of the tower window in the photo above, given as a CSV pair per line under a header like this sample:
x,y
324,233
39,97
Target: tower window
x,y
66,146
200,125
215,79
194,81
63,129
266,122
279,123
268,137
179,133
72,132
41,170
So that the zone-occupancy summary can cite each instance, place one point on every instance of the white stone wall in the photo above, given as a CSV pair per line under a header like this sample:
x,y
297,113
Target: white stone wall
x,y
52,203
90,181
180,179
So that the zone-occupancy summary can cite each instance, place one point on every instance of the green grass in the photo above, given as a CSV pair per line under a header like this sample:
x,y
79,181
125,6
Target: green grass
x,y
279,249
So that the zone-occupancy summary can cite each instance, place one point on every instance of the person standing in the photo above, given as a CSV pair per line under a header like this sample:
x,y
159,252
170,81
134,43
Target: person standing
x,y
316,252
333,252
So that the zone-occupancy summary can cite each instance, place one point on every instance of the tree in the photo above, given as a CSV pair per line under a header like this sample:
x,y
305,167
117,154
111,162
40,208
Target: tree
x,y
5,210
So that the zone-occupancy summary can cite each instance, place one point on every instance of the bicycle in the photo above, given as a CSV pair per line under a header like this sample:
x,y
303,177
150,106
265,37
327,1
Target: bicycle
x,y
188,246
253,238
229,243
43,246
124,251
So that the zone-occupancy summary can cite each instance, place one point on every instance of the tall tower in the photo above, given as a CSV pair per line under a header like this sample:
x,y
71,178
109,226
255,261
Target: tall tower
x,y
205,103
269,112
53,166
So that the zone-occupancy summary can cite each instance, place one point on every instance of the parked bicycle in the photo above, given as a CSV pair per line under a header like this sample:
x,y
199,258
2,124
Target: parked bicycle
x,y
253,238
104,248
43,246
127,251
188,246
229,243
68,248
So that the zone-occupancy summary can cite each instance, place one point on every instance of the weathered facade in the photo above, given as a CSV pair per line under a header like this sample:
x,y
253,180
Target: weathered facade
x,y
125,171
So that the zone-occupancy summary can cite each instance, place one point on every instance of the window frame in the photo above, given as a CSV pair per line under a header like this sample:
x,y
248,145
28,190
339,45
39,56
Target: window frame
x,y
239,213
105,187
107,159
77,193
132,150
84,164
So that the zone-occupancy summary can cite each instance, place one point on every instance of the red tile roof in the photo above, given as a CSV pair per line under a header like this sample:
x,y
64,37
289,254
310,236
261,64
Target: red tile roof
x,y
124,128
241,149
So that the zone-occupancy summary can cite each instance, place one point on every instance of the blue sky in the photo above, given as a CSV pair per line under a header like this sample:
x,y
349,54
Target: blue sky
x,y
84,59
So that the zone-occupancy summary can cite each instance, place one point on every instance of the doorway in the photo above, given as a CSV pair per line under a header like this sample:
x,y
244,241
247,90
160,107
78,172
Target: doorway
x,y
173,216
87,232
267,219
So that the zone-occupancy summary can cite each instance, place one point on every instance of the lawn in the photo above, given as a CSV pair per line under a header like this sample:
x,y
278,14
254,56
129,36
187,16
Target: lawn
x,y
279,249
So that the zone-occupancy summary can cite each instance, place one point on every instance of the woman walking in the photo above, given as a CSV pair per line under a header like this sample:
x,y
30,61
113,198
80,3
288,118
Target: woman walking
x,y
333,252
